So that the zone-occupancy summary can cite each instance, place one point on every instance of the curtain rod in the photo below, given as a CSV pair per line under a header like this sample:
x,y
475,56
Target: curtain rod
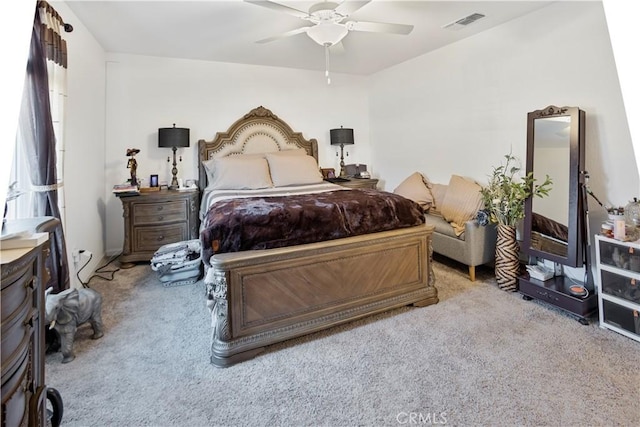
x,y
43,4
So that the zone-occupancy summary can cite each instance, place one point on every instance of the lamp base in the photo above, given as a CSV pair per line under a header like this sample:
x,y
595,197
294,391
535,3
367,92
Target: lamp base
x,y
342,171
174,171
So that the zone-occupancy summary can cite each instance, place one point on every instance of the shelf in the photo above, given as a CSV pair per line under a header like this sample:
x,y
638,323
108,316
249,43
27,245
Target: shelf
x,y
619,286
555,291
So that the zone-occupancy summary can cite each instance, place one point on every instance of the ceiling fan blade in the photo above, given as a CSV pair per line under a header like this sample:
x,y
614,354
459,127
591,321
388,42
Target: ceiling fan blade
x,y
347,7
279,7
283,35
379,27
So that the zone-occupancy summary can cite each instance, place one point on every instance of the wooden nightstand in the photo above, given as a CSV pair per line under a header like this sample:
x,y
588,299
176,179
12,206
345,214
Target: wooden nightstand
x,y
155,219
360,183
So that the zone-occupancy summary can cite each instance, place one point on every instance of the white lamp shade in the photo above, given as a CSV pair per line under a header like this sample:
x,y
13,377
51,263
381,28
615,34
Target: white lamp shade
x,y
328,33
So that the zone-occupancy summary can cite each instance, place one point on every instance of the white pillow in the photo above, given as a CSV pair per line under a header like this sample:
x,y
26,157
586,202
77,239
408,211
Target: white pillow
x,y
240,172
293,170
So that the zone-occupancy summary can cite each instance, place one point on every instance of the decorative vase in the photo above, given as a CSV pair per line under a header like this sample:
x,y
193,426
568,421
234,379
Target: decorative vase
x,y
507,258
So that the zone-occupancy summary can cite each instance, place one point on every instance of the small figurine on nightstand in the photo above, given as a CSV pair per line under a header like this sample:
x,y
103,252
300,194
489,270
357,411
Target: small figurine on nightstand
x,y
132,164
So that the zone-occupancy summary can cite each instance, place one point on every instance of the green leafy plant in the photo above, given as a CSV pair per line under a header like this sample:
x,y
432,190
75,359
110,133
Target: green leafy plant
x,y
507,190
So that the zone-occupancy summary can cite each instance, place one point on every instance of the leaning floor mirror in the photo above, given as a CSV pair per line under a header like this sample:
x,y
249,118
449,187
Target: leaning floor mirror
x,y
554,225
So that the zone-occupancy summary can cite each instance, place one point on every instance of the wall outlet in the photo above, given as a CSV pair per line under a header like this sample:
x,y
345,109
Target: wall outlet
x,y
85,254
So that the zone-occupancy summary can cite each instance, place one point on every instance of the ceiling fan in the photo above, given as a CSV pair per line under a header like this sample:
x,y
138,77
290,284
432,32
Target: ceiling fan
x,y
329,23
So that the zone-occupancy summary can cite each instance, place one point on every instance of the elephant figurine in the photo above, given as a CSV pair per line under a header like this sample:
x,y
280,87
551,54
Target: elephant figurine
x,y
67,310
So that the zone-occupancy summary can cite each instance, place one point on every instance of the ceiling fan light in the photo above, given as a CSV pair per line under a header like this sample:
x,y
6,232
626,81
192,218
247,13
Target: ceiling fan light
x,y
327,33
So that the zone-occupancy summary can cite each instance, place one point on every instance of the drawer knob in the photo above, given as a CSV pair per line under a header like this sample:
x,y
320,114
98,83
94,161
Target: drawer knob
x,y
160,218
29,322
160,207
160,238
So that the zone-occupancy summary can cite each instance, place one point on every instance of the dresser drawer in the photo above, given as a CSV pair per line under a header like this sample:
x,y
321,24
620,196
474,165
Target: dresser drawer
x,y
18,292
151,238
154,213
623,287
16,394
621,317
616,255
16,336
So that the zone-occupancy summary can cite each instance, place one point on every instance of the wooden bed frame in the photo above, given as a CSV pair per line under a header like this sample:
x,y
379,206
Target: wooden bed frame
x,y
262,297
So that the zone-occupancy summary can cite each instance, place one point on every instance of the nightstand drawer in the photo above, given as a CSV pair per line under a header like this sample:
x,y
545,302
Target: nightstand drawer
x,y
153,213
151,238
370,183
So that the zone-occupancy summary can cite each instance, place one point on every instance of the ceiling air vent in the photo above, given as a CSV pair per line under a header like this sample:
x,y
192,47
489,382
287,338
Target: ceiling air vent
x,y
463,22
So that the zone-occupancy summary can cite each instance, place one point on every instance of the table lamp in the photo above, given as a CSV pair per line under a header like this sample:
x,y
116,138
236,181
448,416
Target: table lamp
x,y
341,137
173,138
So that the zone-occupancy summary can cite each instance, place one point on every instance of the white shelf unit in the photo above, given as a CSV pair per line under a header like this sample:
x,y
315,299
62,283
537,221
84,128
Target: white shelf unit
x,y
618,265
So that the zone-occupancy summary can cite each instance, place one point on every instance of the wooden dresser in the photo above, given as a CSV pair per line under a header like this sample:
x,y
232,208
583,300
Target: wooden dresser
x,y
56,273
24,393
155,219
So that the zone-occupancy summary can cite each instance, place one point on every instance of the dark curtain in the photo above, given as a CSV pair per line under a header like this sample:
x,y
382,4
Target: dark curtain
x,y
36,133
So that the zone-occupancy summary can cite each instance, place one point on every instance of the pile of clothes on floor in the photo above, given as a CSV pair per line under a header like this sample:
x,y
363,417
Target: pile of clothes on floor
x,y
178,263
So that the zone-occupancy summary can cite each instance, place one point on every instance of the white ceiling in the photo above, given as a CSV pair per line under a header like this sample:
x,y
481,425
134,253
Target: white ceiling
x,y
226,31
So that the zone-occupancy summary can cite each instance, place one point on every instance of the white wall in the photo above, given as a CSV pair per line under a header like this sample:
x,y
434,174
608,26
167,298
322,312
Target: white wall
x,y
147,93
84,173
467,104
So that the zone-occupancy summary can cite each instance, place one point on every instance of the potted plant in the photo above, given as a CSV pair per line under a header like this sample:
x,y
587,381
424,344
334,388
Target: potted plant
x,y
504,197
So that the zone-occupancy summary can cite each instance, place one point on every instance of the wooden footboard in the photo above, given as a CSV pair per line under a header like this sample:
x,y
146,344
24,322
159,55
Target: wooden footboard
x,y
259,298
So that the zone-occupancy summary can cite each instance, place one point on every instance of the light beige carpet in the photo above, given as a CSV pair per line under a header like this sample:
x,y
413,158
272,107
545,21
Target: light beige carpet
x,y
479,357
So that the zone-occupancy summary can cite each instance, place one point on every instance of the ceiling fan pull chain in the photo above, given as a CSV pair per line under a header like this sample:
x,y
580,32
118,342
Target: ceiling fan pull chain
x,y
326,62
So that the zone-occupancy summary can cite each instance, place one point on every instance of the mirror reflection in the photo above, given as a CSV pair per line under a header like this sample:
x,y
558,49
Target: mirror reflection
x,y
551,157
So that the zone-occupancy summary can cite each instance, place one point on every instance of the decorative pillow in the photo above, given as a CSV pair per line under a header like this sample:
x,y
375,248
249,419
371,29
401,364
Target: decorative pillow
x,y
416,187
438,192
239,172
461,203
293,170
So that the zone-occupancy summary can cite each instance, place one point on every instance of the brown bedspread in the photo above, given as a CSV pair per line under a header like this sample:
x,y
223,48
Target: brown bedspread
x,y
273,222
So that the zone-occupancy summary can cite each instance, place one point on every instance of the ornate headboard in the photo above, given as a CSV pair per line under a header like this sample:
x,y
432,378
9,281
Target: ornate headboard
x,y
259,131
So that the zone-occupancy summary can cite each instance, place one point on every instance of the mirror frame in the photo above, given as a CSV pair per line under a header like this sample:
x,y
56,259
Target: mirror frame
x,y
576,226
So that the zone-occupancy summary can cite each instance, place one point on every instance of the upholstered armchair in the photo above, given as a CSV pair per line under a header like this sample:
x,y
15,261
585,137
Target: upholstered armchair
x,y
452,210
